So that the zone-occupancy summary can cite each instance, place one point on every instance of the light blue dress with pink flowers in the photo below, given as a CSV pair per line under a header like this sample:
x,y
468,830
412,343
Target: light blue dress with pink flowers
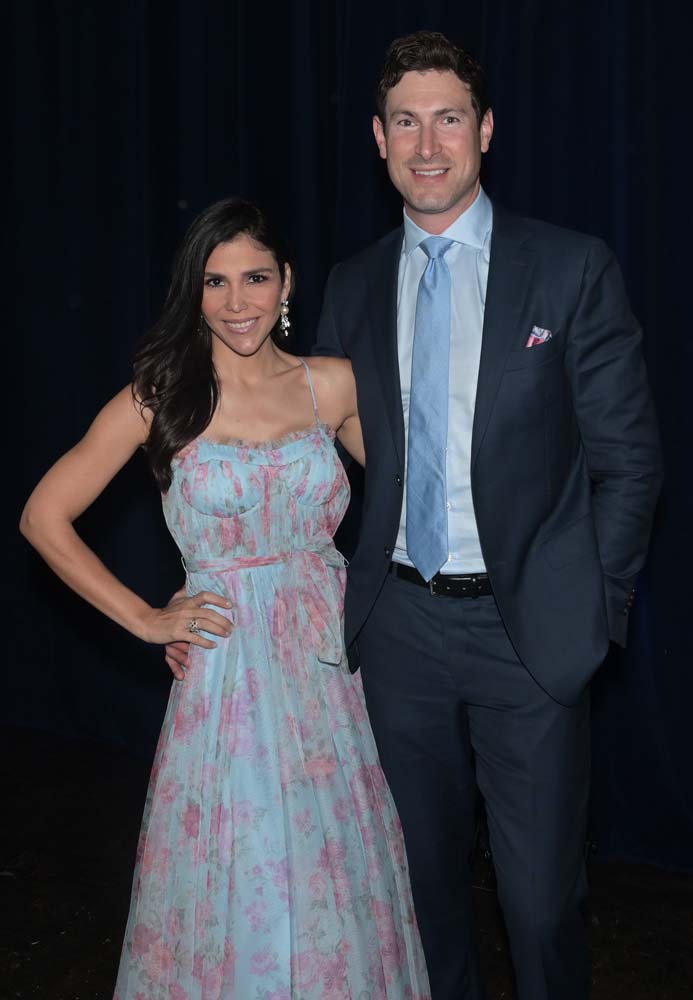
x,y
271,863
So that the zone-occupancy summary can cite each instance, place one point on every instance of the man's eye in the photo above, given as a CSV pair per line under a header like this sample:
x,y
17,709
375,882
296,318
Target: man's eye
x,y
405,122
450,120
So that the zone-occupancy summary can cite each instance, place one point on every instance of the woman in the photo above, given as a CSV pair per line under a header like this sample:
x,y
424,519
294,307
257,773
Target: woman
x,y
271,863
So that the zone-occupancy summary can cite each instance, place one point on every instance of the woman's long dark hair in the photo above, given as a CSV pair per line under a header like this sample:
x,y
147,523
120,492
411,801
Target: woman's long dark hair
x,y
174,376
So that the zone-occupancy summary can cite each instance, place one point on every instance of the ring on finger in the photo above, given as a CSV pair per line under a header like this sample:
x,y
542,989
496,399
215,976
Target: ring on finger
x,y
193,626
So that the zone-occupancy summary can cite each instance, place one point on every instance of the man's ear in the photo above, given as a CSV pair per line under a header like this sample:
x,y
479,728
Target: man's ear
x,y
379,133
486,130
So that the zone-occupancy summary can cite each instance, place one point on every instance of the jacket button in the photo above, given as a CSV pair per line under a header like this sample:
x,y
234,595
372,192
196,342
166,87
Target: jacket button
x,y
387,551
398,480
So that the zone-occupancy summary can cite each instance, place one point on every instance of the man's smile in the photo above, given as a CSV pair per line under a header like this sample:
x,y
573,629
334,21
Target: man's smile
x,y
429,171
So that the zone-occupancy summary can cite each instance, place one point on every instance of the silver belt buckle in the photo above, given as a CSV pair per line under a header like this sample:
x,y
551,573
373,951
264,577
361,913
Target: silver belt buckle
x,y
470,585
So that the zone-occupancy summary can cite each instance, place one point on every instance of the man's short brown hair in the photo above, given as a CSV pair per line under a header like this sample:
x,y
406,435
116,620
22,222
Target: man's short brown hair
x,y
426,50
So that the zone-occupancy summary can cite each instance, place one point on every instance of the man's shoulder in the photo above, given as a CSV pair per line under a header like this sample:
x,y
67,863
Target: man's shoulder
x,y
542,234
384,249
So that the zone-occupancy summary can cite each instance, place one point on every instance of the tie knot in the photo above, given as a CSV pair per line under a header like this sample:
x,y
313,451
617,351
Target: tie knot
x,y
436,246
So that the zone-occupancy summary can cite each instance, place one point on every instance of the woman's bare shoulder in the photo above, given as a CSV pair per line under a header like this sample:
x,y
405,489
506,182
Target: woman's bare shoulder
x,y
330,369
335,388
127,407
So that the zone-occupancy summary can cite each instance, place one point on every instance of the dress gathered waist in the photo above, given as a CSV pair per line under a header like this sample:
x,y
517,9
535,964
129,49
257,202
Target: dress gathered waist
x,y
321,592
327,553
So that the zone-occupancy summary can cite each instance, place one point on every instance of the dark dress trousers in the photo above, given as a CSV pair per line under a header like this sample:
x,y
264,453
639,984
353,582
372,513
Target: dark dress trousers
x,y
493,691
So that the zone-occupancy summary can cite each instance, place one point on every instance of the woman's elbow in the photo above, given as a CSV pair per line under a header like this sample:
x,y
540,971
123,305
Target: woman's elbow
x,y
30,522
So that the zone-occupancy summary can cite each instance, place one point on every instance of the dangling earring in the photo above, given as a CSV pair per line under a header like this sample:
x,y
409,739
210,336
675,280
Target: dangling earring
x,y
284,321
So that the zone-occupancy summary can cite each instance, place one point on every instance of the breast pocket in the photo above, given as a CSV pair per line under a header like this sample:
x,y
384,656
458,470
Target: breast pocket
x,y
535,357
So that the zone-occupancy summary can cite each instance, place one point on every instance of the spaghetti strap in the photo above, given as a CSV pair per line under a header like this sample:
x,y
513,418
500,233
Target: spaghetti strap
x,y
312,390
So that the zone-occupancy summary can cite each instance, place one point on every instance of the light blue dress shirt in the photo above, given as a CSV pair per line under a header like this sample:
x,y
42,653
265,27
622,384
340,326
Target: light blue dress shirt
x,y
468,263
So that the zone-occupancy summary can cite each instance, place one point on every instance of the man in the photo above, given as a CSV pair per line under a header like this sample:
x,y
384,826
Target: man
x,y
512,472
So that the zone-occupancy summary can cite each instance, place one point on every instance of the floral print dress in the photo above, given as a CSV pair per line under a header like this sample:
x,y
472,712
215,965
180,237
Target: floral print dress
x,y
271,864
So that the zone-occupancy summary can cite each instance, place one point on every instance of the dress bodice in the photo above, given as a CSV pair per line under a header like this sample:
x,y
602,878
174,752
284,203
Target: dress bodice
x,y
234,501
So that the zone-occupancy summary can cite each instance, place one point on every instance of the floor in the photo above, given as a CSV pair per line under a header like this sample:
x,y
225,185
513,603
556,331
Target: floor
x,y
66,861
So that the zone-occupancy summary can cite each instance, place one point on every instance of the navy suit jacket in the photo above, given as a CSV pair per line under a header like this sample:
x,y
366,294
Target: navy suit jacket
x,y
565,450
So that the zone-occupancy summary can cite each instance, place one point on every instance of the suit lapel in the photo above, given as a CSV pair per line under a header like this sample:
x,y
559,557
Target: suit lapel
x,y
508,283
382,300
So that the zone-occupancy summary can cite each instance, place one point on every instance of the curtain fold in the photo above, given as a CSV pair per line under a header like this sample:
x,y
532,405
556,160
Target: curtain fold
x,y
129,118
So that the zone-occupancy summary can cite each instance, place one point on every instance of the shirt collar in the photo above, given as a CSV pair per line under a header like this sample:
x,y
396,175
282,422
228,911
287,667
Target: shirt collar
x,y
472,227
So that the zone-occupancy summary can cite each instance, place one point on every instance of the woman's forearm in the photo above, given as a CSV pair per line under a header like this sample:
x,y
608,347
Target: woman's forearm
x,y
81,569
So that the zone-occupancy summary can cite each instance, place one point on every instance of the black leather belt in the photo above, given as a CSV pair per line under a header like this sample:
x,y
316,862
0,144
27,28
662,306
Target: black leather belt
x,y
446,584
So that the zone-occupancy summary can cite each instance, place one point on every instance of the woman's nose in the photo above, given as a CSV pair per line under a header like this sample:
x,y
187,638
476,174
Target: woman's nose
x,y
235,299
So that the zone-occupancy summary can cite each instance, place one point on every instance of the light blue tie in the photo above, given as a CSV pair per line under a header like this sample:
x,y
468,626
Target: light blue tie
x,y
427,516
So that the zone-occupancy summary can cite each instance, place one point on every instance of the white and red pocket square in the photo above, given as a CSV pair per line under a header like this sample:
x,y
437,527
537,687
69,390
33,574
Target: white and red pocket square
x,y
538,336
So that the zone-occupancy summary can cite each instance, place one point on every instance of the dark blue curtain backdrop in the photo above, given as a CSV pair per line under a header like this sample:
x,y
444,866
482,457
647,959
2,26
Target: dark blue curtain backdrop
x,y
129,117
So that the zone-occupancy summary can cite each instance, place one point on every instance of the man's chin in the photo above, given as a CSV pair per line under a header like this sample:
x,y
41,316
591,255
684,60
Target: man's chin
x,y
430,206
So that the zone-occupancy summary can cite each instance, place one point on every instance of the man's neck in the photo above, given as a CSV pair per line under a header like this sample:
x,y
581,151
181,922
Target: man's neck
x,y
436,223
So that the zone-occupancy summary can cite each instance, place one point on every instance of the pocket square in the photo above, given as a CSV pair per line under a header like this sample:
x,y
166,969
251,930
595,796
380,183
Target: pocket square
x,y
538,336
